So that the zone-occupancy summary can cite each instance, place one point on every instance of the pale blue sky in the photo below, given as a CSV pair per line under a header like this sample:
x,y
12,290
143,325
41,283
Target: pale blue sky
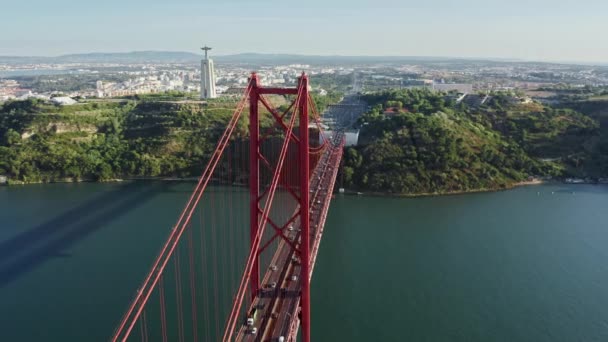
x,y
557,30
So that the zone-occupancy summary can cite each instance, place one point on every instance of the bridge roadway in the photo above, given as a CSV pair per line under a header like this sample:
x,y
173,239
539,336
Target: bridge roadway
x,y
344,114
278,300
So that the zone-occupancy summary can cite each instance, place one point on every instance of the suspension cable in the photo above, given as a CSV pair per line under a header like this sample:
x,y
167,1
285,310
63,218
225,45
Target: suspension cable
x,y
137,305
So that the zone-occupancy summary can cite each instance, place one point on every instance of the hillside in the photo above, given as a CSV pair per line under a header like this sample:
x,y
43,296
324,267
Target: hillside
x,y
430,144
595,162
98,141
425,143
144,136
592,101
109,57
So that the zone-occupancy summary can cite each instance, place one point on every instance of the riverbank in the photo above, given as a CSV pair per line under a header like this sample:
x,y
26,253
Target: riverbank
x,y
346,192
12,182
449,193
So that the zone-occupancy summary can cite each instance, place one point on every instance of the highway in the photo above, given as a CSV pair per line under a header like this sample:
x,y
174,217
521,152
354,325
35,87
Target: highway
x,y
277,303
345,113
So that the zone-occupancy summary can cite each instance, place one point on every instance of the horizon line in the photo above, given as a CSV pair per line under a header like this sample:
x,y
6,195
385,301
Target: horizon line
x,y
494,59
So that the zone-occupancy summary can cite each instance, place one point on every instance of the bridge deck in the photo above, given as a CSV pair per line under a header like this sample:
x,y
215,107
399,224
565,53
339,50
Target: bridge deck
x,y
278,306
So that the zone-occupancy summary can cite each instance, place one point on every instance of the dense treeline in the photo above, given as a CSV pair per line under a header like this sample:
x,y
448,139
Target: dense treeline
x,y
107,140
146,136
322,101
427,143
412,141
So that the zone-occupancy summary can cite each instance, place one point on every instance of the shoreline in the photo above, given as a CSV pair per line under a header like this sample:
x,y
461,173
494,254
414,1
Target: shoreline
x,y
451,193
112,180
347,192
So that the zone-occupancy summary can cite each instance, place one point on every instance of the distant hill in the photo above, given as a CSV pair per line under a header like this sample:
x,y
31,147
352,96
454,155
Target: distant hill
x,y
248,58
111,57
263,58
133,57
188,57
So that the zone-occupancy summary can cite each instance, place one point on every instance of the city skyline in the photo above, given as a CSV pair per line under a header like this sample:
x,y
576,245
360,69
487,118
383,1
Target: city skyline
x,y
537,30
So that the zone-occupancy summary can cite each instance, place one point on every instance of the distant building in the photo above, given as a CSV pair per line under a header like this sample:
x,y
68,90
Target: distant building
x,y
63,100
207,77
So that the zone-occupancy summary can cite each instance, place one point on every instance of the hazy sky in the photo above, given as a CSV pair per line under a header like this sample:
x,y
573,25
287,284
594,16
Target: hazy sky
x,y
557,30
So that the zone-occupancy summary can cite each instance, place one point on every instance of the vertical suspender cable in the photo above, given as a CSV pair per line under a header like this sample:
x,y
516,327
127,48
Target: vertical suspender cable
x,y
231,212
214,265
205,279
136,307
223,220
163,313
192,286
142,329
178,297
145,326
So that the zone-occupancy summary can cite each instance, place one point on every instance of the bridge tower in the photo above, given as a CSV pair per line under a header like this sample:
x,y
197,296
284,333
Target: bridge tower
x,y
303,185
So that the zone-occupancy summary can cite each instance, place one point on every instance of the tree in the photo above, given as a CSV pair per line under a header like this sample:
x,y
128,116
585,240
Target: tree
x,y
348,175
11,137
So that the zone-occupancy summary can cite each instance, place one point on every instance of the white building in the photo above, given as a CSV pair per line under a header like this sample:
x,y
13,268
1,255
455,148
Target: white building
x,y
207,77
63,100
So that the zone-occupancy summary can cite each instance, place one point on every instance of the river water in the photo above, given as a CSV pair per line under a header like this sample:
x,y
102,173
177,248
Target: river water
x,y
529,264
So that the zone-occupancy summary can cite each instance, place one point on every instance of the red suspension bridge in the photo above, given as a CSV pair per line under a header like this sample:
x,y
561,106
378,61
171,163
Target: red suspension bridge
x,y
238,263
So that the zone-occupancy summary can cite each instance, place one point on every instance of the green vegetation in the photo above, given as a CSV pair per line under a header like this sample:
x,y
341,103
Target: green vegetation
x,y
171,95
434,145
427,143
592,102
322,101
104,140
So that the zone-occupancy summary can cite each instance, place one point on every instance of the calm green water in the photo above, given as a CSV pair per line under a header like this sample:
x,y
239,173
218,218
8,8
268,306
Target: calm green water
x,y
529,264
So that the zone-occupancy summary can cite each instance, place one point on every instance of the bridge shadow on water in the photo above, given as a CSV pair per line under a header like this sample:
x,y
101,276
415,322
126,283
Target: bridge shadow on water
x,y
31,248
